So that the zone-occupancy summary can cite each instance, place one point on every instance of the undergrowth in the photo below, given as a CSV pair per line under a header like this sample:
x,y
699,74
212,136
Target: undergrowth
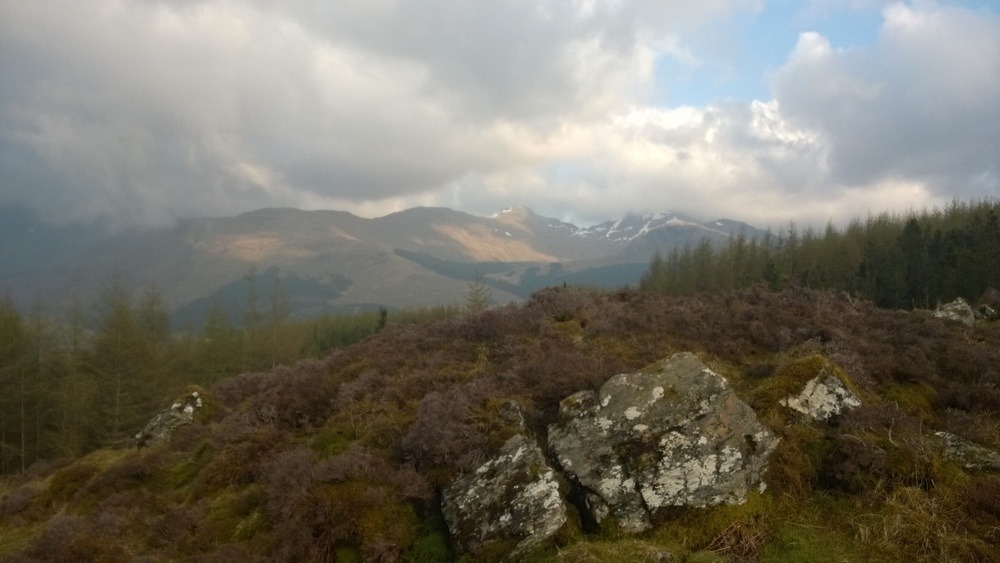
x,y
344,458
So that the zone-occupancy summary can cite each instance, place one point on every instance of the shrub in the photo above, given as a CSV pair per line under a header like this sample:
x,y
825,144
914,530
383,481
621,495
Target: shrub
x,y
444,433
67,481
17,500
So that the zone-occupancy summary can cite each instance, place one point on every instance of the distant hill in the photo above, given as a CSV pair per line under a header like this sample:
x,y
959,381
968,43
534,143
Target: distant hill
x,y
337,261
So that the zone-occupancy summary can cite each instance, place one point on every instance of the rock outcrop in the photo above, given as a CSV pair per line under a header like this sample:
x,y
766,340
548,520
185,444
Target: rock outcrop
x,y
163,424
823,397
673,434
958,310
971,456
513,498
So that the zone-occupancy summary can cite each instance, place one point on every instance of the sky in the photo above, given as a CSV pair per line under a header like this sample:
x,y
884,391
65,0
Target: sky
x,y
142,112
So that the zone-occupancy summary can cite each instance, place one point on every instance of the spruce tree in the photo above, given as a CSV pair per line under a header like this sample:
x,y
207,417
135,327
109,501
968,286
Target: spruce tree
x,y
120,361
477,298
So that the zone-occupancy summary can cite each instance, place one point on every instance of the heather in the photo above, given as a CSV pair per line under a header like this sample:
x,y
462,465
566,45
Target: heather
x,y
344,457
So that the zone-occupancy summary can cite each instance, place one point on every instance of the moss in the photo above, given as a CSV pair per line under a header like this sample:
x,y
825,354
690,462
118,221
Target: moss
x,y
333,439
15,539
624,550
234,514
431,547
211,409
765,394
496,550
388,522
347,554
787,380
796,543
738,530
67,481
184,472
136,470
916,399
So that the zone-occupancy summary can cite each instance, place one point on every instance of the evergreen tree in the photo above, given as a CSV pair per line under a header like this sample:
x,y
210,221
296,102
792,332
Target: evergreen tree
x,y
74,388
477,298
251,323
219,350
913,247
895,261
280,346
655,278
153,316
14,387
120,360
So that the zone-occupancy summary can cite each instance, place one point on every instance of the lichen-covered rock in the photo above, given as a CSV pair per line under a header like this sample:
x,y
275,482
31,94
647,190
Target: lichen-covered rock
x,y
513,498
674,434
163,424
958,310
823,397
971,456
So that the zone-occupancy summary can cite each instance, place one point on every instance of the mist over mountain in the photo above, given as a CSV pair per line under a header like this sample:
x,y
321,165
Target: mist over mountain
x,y
334,261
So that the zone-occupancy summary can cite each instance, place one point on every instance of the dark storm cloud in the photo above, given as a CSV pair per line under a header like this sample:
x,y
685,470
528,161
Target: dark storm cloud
x,y
147,111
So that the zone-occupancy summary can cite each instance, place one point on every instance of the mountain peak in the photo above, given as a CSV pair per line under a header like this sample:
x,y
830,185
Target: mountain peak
x,y
514,212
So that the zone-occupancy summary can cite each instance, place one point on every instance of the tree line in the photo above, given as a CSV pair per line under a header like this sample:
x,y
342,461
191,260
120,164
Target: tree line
x,y
92,374
912,260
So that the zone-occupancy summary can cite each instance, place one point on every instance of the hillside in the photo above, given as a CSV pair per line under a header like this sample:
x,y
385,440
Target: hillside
x,y
337,262
347,458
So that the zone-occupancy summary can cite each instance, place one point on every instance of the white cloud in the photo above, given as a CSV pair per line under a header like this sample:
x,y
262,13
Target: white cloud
x,y
921,105
907,124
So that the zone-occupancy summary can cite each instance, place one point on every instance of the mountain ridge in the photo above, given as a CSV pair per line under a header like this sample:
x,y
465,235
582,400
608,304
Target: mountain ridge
x,y
422,256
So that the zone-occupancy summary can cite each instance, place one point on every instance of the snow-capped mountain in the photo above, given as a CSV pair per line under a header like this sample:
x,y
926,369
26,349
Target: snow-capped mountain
x,y
633,227
339,261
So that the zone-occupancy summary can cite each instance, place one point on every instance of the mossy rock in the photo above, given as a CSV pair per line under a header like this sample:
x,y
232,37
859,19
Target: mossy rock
x,y
788,380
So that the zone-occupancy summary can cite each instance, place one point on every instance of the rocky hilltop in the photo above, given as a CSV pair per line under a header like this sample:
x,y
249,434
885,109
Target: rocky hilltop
x,y
577,426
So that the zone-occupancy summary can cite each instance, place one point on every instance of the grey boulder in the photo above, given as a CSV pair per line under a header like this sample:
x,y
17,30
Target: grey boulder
x,y
513,498
823,397
958,310
181,412
673,434
971,456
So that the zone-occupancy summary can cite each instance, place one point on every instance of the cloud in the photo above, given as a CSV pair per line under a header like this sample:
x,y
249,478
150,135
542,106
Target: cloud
x,y
143,111
151,110
907,123
921,105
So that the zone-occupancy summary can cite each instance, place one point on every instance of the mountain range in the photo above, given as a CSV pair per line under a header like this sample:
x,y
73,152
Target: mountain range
x,y
334,261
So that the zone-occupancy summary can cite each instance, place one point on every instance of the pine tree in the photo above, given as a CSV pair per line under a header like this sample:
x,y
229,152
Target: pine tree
x,y
477,298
